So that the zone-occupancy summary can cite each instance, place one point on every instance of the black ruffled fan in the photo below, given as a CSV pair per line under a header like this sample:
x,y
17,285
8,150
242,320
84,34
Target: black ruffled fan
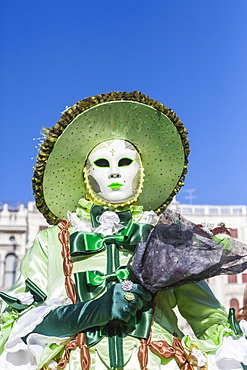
x,y
175,254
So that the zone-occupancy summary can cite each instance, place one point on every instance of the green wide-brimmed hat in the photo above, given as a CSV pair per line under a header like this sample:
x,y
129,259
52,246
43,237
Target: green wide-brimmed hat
x,y
155,131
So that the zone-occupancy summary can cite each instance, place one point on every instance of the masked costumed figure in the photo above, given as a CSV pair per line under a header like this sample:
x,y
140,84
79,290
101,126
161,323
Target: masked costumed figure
x,y
97,290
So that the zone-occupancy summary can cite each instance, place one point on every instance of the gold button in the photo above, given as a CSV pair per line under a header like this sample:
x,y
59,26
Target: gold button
x,y
129,296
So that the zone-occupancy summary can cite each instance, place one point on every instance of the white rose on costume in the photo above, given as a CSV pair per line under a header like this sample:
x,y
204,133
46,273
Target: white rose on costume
x,y
149,217
77,223
25,298
52,365
109,224
201,359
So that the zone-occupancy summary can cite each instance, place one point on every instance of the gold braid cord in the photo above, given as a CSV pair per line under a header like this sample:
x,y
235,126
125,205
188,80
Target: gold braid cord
x,y
184,360
63,237
143,352
163,349
80,340
144,343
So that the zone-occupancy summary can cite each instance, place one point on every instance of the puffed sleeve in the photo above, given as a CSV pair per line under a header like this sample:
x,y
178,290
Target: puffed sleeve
x,y
17,319
209,321
206,316
34,267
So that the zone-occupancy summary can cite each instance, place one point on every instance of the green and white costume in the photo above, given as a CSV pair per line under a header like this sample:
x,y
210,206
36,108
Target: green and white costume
x,y
43,265
159,138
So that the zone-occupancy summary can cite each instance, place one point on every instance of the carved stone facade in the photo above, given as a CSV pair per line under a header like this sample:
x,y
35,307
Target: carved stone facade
x,y
19,225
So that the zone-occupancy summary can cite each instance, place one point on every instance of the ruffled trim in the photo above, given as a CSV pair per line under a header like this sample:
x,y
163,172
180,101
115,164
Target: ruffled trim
x,y
243,326
79,224
211,341
149,217
229,355
30,357
80,220
23,356
18,353
27,322
36,344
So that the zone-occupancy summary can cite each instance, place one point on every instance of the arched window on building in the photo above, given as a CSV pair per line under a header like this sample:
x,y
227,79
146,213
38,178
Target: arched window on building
x,y
10,270
234,304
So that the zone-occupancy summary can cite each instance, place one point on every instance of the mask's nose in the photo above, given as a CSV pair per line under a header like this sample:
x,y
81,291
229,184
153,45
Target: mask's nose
x,y
114,176
114,172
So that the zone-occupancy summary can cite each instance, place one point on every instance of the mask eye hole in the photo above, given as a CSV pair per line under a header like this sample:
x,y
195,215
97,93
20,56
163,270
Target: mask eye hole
x,y
102,162
123,162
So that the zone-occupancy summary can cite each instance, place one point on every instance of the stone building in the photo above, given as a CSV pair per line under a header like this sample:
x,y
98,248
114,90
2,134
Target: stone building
x,y
19,225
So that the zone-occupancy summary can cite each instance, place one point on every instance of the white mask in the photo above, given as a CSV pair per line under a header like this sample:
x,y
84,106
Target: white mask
x,y
114,170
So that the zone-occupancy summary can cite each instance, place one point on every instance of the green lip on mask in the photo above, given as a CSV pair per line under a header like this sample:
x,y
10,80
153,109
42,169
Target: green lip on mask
x,y
115,185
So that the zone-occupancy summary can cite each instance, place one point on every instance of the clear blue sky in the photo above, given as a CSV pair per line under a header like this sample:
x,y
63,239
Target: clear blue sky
x,y
189,54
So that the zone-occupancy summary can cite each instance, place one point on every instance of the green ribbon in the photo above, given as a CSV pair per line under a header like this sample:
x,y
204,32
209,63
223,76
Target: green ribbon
x,y
98,278
96,211
84,210
38,295
83,244
233,322
138,327
91,283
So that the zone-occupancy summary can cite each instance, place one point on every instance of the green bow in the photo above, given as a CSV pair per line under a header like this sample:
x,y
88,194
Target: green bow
x,y
38,295
138,327
96,211
83,244
91,283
